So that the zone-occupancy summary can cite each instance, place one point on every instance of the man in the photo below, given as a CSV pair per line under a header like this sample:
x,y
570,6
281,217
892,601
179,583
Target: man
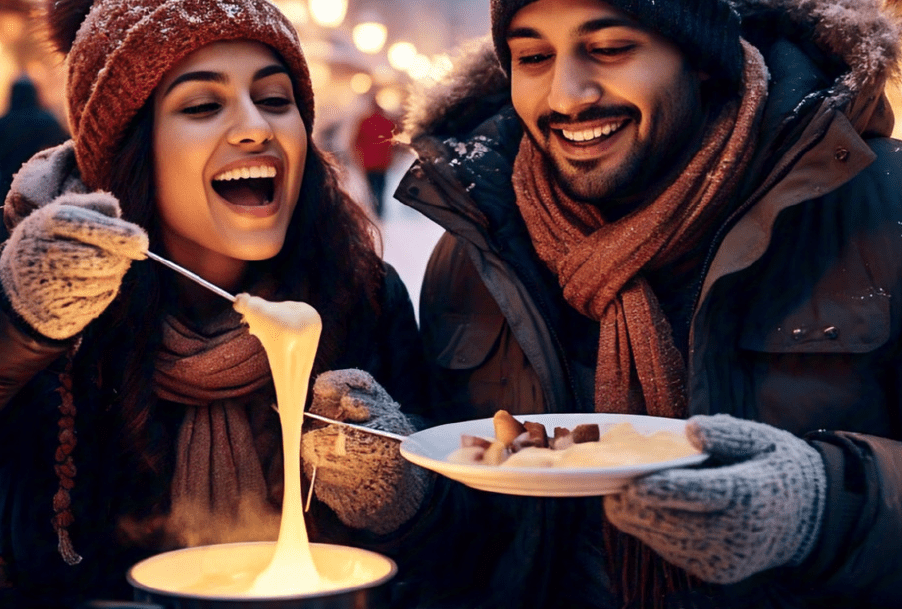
x,y
679,208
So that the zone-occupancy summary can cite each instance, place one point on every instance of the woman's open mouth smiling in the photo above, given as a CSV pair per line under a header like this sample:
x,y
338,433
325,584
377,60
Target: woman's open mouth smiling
x,y
247,186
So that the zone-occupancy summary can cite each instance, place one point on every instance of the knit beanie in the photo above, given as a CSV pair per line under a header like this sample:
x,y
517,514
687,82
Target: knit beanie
x,y
119,50
707,31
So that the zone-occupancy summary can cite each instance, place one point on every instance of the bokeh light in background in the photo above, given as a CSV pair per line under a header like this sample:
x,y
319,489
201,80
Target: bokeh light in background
x,y
369,36
328,13
390,99
320,74
401,55
420,67
361,83
295,10
441,66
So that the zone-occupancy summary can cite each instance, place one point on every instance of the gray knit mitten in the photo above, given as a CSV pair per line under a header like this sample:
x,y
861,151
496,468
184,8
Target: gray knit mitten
x,y
761,510
63,264
362,477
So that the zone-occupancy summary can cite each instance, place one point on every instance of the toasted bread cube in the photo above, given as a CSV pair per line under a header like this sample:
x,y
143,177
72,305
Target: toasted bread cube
x,y
506,427
587,432
537,433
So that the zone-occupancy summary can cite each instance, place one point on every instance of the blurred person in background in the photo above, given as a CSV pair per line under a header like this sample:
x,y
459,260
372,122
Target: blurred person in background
x,y
25,129
373,141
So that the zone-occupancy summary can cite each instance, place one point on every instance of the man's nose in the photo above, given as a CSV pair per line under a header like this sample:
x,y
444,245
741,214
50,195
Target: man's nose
x,y
573,86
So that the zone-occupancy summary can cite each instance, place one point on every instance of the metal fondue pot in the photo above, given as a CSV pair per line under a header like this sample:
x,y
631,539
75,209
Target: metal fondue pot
x,y
162,579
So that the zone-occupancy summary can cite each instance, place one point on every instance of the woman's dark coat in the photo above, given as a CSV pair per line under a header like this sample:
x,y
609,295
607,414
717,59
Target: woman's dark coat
x,y
793,319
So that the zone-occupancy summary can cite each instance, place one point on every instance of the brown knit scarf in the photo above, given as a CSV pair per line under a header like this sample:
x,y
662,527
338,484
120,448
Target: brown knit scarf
x,y
219,489
600,267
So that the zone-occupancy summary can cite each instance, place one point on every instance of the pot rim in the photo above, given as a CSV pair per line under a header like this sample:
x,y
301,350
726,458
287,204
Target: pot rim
x,y
393,570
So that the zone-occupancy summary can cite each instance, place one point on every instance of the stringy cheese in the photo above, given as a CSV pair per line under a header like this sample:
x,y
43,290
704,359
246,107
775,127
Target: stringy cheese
x,y
289,332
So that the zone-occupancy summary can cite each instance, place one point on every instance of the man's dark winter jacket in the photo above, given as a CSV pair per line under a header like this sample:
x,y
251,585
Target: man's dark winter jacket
x,y
794,318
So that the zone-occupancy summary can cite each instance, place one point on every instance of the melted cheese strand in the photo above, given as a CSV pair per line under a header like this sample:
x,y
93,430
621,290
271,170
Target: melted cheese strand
x,y
290,333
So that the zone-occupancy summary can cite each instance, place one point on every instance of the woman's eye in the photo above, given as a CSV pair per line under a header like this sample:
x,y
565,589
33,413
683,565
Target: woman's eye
x,y
276,102
201,109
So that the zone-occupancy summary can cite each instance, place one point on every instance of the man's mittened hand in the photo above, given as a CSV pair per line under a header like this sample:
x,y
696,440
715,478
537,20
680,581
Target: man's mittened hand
x,y
761,510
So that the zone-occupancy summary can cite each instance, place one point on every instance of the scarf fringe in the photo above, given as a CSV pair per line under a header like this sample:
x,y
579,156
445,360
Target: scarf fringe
x,y
639,577
65,467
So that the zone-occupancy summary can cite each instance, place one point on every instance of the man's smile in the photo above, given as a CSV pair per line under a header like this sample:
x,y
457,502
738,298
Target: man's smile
x,y
589,134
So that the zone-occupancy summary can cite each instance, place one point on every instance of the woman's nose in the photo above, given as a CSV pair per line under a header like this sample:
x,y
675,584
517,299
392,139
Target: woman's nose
x,y
573,86
250,127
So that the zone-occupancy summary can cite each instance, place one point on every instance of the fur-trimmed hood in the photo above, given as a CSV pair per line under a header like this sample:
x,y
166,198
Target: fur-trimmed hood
x,y
863,34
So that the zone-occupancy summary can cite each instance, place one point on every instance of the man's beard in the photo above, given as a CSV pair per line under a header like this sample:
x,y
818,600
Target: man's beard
x,y
647,168
588,180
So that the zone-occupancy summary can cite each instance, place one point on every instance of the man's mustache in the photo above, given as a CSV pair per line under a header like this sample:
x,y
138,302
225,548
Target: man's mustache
x,y
589,114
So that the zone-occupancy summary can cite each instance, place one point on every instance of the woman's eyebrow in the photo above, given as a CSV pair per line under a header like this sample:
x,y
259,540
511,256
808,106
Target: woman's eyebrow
x,y
275,68
202,76
218,77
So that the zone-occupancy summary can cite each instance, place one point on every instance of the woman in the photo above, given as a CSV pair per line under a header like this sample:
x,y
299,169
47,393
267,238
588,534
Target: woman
x,y
136,412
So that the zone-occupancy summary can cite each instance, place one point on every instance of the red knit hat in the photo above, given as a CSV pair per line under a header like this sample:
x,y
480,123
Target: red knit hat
x,y
119,50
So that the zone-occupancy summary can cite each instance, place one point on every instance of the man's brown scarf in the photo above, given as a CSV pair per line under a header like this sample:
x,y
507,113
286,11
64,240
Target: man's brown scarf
x,y
601,266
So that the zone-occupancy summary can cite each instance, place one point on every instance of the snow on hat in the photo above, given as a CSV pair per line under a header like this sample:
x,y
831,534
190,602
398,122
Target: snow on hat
x,y
119,50
706,30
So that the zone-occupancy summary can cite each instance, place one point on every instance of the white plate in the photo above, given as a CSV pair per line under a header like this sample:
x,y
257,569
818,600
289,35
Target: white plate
x,y
430,449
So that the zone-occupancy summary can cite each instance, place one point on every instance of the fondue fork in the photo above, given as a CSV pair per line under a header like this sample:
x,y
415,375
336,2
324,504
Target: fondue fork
x,y
194,277
370,430
377,432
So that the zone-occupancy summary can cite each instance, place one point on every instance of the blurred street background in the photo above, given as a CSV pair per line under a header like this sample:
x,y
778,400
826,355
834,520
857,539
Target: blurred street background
x,y
364,57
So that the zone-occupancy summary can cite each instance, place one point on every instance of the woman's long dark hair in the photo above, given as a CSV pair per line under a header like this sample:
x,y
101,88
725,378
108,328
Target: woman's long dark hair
x,y
328,258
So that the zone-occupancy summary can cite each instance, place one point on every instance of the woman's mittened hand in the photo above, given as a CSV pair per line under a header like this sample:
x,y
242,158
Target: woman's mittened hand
x,y
362,477
64,263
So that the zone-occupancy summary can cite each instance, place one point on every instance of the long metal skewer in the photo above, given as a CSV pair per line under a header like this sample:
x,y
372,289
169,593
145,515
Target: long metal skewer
x,y
190,275
376,432
216,289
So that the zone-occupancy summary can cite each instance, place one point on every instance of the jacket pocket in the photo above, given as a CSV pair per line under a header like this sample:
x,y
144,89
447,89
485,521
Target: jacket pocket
x,y
850,324
463,342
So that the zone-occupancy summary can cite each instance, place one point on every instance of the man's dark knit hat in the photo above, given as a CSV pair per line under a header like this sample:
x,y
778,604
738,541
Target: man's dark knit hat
x,y
706,30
